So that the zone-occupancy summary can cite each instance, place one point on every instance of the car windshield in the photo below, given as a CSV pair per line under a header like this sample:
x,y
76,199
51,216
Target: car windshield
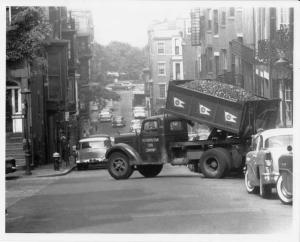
x,y
99,144
281,141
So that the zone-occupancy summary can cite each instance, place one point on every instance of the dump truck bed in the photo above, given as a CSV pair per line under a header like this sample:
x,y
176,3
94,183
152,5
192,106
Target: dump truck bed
x,y
221,106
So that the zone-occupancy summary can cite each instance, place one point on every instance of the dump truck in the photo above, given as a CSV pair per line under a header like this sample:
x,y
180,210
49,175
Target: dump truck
x,y
232,114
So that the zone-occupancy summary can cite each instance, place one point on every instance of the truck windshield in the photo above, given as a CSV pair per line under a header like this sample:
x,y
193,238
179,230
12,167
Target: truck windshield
x,y
281,141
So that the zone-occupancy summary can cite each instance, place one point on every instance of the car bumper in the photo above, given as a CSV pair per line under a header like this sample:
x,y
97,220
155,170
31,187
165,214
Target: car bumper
x,y
91,161
270,178
104,119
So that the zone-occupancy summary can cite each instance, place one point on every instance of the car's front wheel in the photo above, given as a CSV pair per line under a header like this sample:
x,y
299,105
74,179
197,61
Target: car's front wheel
x,y
249,187
283,192
119,166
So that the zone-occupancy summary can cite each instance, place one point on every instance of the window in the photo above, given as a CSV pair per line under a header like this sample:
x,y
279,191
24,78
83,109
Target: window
x,y
177,71
151,125
161,48
209,20
283,16
279,141
224,59
175,126
223,19
177,47
288,104
209,55
231,12
217,63
162,90
161,69
54,72
216,22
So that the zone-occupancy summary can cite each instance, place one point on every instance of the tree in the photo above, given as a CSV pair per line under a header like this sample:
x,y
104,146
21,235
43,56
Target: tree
x,y
25,35
118,57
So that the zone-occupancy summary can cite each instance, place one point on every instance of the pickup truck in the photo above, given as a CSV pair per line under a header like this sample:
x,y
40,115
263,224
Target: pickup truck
x,y
232,114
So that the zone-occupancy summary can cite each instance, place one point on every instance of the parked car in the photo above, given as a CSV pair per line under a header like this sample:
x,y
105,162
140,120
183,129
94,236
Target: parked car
x,y
135,125
92,151
262,171
139,112
10,165
118,121
105,116
285,181
127,85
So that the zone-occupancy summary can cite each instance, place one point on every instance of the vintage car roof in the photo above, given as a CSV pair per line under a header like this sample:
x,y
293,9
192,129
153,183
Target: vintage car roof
x,y
275,132
96,138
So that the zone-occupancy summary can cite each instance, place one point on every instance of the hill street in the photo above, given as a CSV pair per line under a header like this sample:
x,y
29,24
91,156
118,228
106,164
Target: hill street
x,y
176,201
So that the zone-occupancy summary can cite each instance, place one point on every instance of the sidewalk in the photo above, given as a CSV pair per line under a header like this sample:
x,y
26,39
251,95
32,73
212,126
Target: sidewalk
x,y
44,171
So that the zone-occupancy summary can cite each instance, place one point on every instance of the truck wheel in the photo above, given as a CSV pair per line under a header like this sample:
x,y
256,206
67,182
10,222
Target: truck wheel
x,y
265,190
249,187
119,166
150,170
213,163
284,195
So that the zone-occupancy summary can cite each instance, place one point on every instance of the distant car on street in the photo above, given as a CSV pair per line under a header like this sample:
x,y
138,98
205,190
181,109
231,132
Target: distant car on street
x,y
126,84
262,169
135,125
139,112
118,121
105,116
91,151
122,86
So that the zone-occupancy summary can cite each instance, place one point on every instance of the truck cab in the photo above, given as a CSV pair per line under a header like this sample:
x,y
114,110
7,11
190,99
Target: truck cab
x,y
148,150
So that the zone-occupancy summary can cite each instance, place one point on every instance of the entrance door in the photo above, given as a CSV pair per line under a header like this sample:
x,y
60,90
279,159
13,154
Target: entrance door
x,y
150,141
13,108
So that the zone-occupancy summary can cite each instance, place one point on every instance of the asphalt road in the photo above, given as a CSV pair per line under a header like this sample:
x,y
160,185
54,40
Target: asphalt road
x,y
122,107
176,201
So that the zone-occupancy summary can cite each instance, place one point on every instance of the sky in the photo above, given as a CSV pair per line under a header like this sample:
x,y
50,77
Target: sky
x,y
128,21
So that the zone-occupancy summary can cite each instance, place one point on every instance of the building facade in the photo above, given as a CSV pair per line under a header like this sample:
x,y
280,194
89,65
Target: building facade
x,y
84,40
171,57
238,46
50,93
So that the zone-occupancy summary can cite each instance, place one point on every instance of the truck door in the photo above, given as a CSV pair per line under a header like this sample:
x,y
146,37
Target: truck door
x,y
151,141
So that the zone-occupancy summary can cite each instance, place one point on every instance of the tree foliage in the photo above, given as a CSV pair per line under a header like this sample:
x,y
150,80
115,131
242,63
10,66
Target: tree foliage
x,y
25,35
118,57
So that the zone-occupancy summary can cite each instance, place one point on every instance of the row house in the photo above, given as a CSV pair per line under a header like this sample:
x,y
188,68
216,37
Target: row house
x,y
51,103
171,57
230,41
84,40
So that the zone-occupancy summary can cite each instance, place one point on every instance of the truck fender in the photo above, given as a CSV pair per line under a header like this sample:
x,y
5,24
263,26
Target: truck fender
x,y
130,152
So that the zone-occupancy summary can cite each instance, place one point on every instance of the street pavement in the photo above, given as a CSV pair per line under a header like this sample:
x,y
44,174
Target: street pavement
x,y
176,201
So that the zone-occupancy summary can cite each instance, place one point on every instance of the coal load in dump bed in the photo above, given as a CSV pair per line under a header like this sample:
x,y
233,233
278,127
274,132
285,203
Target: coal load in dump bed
x,y
220,90
221,106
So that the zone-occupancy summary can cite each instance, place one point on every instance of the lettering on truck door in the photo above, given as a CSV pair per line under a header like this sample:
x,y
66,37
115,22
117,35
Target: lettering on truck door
x,y
150,138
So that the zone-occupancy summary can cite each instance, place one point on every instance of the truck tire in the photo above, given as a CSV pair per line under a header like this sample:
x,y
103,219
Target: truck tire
x,y
119,166
250,188
265,190
213,163
150,170
284,195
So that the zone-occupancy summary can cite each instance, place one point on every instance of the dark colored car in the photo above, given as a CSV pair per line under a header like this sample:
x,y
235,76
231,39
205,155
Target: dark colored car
x,y
10,165
118,121
285,180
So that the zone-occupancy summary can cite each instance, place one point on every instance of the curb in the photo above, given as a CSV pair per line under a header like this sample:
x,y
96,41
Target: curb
x,y
59,174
